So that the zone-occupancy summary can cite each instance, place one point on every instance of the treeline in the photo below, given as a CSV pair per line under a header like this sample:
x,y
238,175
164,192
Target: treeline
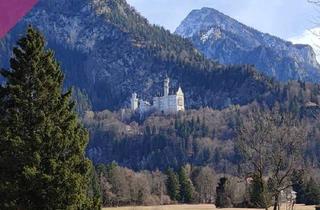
x,y
120,186
252,141
306,186
248,193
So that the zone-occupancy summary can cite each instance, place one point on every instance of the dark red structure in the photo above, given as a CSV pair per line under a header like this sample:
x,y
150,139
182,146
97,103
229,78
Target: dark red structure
x,y
11,11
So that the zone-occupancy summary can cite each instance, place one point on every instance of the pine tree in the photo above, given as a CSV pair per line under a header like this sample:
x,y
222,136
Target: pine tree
x,y
298,185
312,193
94,189
186,187
173,185
223,199
42,144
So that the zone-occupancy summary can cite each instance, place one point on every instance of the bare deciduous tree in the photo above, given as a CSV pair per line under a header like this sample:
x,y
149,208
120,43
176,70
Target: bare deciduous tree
x,y
272,144
205,183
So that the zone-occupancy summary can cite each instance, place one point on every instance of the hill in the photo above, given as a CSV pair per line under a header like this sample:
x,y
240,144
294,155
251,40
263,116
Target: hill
x,y
203,137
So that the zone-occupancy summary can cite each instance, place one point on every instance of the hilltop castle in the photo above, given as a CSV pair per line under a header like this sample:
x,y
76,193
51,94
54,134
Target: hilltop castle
x,y
166,104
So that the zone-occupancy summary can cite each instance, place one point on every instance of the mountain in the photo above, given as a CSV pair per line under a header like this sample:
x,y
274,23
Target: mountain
x,y
228,41
108,51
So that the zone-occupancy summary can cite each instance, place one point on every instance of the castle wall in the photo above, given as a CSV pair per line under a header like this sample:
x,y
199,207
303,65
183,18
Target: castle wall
x,y
145,106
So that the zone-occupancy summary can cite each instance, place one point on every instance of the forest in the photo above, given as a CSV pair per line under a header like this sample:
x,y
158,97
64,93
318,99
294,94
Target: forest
x,y
242,142
208,148
199,137
119,186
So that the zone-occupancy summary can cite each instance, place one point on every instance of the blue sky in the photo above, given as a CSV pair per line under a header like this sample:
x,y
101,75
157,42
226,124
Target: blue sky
x,y
288,19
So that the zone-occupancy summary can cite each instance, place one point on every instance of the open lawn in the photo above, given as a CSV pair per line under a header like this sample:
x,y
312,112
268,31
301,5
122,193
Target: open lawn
x,y
195,207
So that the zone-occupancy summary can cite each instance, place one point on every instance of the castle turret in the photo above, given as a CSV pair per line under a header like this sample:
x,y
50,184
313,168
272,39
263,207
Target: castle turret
x,y
180,92
180,100
166,86
134,102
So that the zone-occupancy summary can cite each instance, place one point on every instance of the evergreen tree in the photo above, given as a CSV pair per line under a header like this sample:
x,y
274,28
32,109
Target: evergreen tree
x,y
82,101
259,195
94,190
42,144
223,199
298,185
312,193
173,185
186,187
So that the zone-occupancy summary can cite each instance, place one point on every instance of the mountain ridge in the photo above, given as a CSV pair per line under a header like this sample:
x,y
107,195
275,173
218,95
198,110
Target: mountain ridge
x,y
108,50
227,40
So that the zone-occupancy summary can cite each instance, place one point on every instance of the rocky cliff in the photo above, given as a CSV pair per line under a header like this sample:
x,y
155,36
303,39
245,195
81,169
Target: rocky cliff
x,y
228,41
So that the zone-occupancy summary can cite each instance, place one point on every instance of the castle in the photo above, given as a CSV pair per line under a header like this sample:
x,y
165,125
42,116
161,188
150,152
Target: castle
x,y
166,104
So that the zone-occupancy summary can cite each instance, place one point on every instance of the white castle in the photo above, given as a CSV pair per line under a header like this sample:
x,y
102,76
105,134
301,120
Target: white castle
x,y
166,104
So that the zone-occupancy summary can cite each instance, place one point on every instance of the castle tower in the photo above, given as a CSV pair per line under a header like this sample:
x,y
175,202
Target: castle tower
x,y
134,102
166,86
180,100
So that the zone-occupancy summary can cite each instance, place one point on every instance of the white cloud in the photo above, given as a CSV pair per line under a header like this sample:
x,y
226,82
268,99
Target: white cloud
x,y
310,37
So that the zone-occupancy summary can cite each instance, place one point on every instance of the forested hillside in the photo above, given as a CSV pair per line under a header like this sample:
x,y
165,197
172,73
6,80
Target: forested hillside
x,y
198,137
204,145
184,153
108,51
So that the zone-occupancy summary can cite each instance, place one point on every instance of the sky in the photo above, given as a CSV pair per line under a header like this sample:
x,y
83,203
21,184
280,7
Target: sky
x,y
288,19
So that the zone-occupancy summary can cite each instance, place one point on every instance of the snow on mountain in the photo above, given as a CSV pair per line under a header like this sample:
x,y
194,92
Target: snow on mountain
x,y
223,38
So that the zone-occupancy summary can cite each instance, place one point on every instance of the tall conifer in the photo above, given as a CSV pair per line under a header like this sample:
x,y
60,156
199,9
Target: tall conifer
x,y
42,143
173,185
186,187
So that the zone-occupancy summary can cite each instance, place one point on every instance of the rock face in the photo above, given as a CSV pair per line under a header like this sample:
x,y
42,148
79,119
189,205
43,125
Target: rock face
x,y
228,41
109,51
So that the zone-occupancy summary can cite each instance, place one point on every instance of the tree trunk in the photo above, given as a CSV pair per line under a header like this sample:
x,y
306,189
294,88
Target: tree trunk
x,y
276,202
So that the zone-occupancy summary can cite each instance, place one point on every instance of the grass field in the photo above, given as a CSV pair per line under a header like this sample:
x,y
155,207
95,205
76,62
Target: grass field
x,y
194,207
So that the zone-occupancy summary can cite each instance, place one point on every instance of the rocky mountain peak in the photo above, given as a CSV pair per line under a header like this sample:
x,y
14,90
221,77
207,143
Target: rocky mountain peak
x,y
228,41
204,19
